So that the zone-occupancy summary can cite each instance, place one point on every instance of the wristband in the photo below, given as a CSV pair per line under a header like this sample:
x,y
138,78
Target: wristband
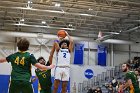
x,y
56,41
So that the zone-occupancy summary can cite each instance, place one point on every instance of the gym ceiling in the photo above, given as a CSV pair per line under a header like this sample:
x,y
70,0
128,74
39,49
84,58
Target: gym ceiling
x,y
119,19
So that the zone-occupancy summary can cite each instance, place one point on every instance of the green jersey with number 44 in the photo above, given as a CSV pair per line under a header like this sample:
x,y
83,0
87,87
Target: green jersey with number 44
x,y
21,65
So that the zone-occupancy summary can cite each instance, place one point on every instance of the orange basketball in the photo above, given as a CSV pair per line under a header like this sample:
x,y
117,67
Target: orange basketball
x,y
61,33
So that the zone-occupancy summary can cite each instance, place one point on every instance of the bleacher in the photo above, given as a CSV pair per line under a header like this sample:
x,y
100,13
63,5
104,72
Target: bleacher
x,y
100,80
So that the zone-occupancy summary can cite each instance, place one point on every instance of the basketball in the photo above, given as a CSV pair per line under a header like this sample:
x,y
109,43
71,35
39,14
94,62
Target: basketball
x,y
61,33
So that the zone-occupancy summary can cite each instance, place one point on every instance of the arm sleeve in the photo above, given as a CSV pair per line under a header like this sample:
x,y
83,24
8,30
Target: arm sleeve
x,y
9,58
127,76
33,59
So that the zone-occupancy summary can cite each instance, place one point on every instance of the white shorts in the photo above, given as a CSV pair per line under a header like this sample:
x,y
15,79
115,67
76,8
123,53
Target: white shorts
x,y
62,73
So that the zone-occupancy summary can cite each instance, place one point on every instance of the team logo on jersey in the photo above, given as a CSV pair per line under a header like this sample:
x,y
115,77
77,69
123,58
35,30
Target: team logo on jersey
x,y
64,51
89,73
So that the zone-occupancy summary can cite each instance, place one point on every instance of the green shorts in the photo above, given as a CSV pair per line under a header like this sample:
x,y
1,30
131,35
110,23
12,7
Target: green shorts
x,y
137,90
19,86
48,90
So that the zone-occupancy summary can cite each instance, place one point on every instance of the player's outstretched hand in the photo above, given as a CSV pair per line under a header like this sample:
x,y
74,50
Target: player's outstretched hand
x,y
51,66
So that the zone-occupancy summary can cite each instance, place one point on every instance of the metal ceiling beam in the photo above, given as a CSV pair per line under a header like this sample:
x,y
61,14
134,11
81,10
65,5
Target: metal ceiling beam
x,y
58,12
37,35
89,3
96,5
63,17
87,25
132,29
105,13
38,17
82,29
111,35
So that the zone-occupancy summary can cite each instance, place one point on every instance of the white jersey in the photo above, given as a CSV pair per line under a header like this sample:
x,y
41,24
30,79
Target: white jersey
x,y
63,57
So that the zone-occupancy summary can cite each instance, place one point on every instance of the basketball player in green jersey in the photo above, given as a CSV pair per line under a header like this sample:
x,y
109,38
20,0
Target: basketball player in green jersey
x,y
131,80
21,68
44,77
62,70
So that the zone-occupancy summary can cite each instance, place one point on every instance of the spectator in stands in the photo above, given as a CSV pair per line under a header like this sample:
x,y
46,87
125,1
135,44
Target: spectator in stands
x,y
131,63
137,72
94,91
106,85
120,87
110,89
90,90
114,82
136,64
98,89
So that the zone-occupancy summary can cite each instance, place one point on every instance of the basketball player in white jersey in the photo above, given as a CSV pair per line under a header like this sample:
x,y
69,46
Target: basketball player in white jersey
x,y
62,72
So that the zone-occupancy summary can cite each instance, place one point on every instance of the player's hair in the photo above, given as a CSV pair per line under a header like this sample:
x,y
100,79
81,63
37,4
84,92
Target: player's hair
x,y
64,41
40,59
138,69
48,63
127,64
23,44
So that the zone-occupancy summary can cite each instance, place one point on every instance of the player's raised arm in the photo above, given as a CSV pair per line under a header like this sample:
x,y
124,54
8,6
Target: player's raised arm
x,y
2,60
71,42
54,47
51,54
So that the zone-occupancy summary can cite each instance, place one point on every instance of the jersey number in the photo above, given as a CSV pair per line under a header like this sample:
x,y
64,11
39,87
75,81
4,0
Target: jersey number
x,y
44,76
17,61
64,55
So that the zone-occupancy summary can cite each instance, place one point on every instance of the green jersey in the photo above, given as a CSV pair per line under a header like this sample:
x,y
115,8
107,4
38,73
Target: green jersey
x,y
44,78
21,65
131,75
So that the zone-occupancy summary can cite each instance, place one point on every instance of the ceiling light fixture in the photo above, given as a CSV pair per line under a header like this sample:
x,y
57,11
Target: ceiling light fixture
x,y
29,4
116,33
85,15
57,4
22,20
70,25
52,11
43,22
90,9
